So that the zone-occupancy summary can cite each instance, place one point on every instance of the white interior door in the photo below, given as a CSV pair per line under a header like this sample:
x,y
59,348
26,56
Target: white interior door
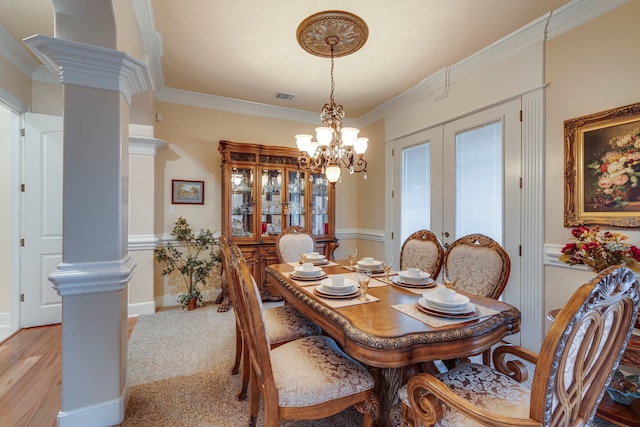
x,y
41,220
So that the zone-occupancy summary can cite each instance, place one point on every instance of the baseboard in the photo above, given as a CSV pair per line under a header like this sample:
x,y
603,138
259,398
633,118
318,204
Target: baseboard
x,y
5,320
142,308
108,413
172,300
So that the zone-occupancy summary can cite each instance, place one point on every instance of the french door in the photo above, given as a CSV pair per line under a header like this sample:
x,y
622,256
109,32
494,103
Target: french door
x,y
460,178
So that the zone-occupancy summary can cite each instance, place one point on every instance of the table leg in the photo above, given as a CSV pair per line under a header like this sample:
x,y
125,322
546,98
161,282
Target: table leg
x,y
388,382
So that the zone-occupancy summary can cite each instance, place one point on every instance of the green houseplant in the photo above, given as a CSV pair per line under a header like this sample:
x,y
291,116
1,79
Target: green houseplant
x,y
193,256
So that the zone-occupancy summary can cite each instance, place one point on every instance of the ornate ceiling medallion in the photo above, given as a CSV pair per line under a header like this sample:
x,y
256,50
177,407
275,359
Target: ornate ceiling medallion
x,y
343,31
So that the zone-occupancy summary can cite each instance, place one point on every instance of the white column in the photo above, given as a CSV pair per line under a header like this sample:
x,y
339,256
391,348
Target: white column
x,y
96,268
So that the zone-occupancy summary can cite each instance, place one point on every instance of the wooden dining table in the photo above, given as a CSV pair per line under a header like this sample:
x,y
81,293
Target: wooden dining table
x,y
388,334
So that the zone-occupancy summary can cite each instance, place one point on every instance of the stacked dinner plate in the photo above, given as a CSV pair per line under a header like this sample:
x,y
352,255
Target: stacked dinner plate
x,y
328,289
422,280
316,258
371,264
315,273
458,307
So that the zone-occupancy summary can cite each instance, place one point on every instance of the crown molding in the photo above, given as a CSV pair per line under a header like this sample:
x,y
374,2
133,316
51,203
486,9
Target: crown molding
x,y
15,53
576,13
151,40
196,99
86,65
43,75
12,102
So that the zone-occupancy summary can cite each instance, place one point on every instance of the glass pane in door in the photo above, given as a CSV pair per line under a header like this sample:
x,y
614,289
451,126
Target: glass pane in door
x,y
479,181
242,202
416,190
319,204
271,201
295,203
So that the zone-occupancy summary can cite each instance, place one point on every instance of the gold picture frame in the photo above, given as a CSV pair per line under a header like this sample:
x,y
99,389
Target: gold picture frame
x,y
602,168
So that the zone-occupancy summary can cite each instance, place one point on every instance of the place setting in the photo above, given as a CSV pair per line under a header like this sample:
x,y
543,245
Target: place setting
x,y
413,278
445,302
307,272
315,258
337,287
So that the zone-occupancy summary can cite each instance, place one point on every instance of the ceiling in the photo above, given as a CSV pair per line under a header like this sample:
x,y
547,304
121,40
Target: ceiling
x,y
247,50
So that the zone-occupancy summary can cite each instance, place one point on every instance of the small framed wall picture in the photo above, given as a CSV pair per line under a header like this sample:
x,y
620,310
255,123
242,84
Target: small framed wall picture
x,y
187,192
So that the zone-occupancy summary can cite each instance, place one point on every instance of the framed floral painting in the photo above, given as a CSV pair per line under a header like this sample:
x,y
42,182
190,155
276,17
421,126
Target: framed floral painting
x,y
602,168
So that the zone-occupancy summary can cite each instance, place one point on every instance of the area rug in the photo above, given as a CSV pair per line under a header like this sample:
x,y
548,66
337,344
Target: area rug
x,y
180,374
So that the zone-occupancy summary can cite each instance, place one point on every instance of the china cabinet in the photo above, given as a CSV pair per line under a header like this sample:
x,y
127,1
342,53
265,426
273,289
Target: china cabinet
x,y
263,192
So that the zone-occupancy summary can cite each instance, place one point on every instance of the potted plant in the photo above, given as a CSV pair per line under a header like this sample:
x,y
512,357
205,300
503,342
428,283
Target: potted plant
x,y
193,257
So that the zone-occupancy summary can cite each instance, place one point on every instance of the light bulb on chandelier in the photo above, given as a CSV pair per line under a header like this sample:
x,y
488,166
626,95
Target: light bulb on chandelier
x,y
332,34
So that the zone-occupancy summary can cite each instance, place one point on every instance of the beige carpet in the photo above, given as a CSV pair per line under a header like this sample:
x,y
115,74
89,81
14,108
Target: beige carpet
x,y
179,373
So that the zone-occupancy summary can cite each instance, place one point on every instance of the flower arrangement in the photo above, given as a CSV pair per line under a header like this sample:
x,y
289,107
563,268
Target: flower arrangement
x,y
618,171
600,249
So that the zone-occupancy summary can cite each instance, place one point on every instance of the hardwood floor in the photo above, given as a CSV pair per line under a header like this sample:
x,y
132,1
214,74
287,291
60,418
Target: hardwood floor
x,y
30,376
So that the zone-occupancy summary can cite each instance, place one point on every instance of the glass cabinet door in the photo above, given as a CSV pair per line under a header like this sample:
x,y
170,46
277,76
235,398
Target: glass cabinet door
x,y
271,202
242,203
319,205
295,209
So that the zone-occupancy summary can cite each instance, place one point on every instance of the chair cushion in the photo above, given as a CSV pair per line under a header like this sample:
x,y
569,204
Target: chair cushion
x,y
484,387
284,323
291,246
478,269
314,370
420,254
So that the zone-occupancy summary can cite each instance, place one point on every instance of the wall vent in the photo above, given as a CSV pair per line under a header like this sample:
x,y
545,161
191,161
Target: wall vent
x,y
284,96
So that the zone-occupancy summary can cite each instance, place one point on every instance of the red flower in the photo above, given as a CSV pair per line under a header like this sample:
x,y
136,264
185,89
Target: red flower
x,y
635,253
604,168
569,247
578,231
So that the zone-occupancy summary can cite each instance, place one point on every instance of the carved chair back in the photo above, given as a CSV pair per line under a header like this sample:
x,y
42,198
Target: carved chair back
x,y
292,242
423,250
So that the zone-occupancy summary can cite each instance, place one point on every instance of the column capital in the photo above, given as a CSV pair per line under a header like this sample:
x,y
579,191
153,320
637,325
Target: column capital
x,y
86,65
83,278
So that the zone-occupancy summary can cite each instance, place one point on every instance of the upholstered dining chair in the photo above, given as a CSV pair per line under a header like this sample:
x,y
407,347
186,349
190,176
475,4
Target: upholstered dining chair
x,y
423,250
283,323
478,264
308,378
292,242
577,360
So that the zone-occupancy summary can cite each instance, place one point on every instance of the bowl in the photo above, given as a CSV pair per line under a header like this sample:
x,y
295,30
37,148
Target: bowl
x,y
623,388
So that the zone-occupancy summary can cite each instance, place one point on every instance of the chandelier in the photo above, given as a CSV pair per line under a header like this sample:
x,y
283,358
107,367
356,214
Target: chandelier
x,y
332,34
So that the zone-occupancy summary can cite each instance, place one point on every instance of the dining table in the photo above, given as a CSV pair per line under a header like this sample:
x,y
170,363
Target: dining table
x,y
389,333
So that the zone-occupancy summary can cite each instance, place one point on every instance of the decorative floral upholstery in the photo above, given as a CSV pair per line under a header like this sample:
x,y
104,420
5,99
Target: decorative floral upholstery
x,y
284,323
422,250
314,370
293,242
479,264
485,388
577,360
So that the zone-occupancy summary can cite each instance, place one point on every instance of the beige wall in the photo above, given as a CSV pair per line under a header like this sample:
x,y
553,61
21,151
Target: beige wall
x,y
589,69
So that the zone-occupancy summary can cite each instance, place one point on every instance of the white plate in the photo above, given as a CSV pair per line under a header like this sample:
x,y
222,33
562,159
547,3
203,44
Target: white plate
x,y
458,300
423,278
316,271
463,308
315,257
373,269
373,265
327,287
427,284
